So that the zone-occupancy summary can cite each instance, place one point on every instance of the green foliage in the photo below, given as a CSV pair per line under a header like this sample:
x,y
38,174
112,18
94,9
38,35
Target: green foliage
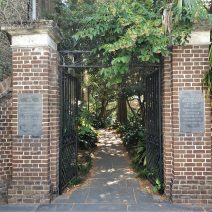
x,y
207,79
5,56
132,133
75,181
2,3
195,10
85,118
140,154
157,187
142,171
210,55
68,16
118,31
134,83
126,30
87,137
207,82
83,169
102,99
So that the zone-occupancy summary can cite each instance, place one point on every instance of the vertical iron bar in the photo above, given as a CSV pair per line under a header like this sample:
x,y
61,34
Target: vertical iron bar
x,y
160,126
68,142
153,125
61,128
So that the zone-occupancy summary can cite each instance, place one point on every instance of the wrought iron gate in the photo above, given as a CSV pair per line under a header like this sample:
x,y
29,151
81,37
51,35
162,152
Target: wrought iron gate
x,y
68,142
153,119
153,125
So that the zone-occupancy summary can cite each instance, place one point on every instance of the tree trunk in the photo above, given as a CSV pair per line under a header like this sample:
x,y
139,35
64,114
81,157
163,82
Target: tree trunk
x,y
122,111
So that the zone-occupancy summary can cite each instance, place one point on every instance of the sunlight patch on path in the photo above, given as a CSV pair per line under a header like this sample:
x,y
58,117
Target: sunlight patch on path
x,y
113,185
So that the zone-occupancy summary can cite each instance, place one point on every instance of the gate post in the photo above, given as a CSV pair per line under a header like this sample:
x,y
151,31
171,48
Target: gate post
x,y
35,113
187,123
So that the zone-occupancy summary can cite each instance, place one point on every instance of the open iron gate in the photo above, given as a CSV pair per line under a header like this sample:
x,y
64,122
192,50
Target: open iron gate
x,y
68,142
153,115
153,125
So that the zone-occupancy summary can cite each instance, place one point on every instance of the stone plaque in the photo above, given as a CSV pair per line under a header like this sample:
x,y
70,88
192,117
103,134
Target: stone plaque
x,y
191,112
30,114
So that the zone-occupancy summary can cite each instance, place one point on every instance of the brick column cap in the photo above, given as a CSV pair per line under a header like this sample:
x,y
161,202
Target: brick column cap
x,y
39,33
199,38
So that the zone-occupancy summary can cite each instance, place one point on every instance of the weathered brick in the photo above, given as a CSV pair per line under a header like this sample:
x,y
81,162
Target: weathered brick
x,y
5,145
188,160
34,160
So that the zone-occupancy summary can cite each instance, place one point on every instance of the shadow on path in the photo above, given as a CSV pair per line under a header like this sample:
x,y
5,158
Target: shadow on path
x,y
113,186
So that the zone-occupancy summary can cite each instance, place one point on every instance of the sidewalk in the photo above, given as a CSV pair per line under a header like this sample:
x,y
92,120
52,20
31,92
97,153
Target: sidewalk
x,y
113,186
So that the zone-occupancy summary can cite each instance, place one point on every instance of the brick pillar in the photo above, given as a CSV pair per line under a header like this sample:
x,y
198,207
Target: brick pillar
x,y
35,125
187,155
167,124
5,135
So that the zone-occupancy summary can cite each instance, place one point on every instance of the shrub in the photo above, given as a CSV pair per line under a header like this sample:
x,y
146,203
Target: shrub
x,y
132,133
83,167
100,123
139,158
87,137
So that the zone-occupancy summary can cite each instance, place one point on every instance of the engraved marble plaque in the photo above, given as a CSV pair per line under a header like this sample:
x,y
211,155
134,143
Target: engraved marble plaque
x,y
30,114
191,112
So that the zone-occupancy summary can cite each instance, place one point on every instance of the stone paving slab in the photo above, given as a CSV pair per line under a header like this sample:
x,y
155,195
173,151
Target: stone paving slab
x,y
100,207
18,207
208,208
113,186
114,183
114,172
108,173
132,183
104,167
160,207
99,195
144,197
54,207
109,182
79,196
123,195
110,195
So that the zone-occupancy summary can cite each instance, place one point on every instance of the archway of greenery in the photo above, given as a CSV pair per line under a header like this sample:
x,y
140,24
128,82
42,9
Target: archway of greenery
x,y
119,32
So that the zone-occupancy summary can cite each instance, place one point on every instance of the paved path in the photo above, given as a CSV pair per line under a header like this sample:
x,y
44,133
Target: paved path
x,y
112,187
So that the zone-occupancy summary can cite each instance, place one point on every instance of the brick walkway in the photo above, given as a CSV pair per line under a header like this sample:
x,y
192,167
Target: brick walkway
x,y
112,187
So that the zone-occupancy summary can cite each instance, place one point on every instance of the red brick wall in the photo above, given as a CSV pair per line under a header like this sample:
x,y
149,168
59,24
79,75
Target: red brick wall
x,y
34,159
167,124
189,166
54,107
5,145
